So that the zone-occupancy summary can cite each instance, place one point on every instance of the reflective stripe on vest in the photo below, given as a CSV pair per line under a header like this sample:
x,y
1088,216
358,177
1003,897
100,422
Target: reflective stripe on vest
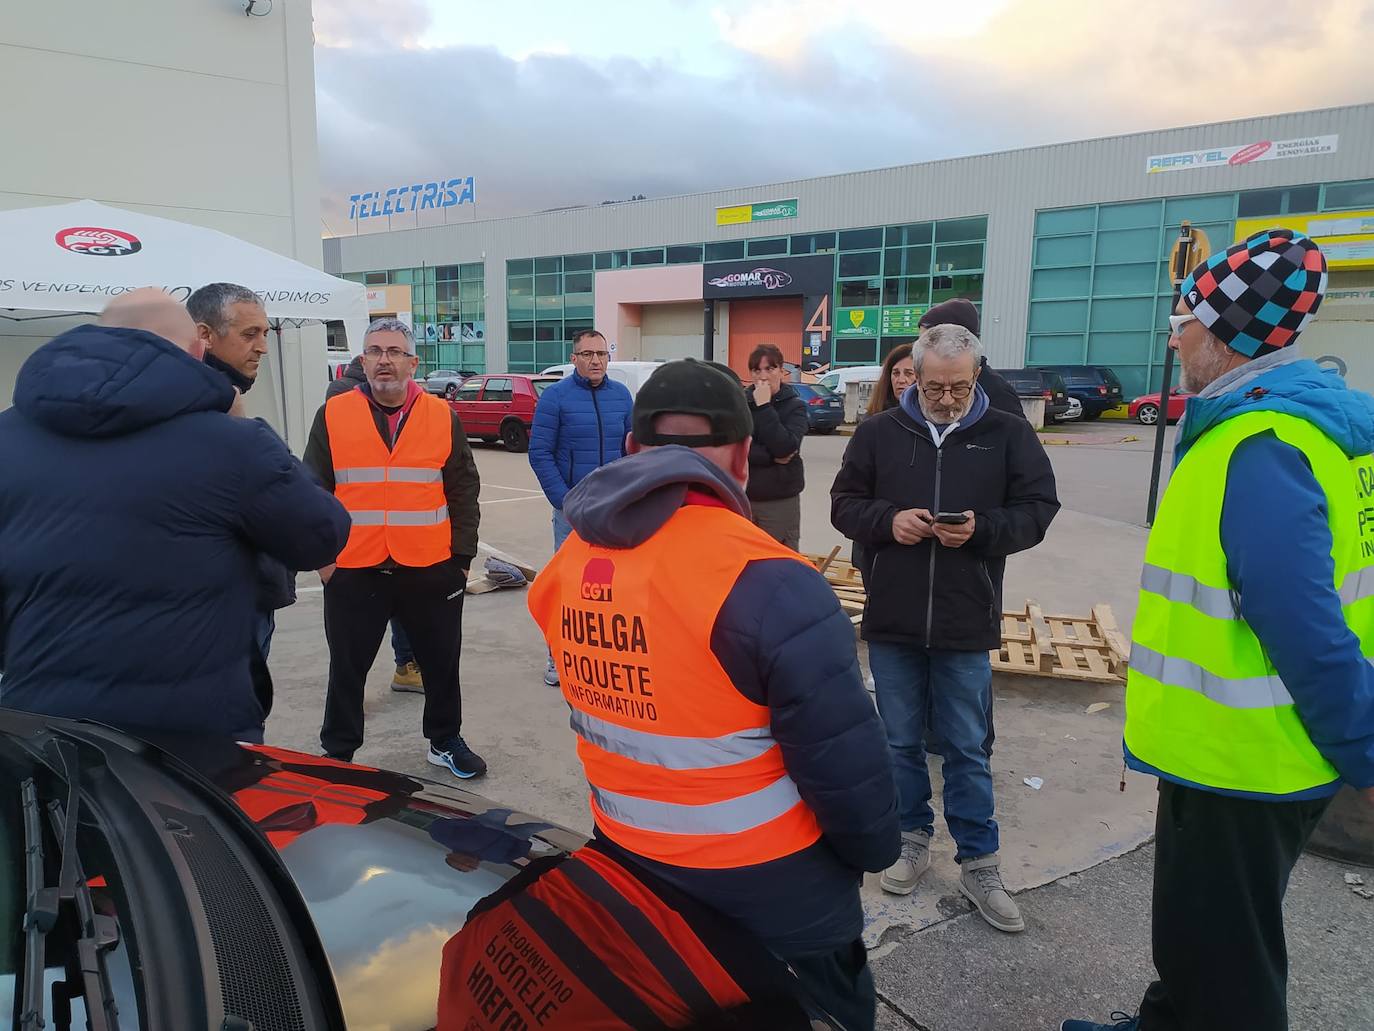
x,y
395,497
1204,703
682,768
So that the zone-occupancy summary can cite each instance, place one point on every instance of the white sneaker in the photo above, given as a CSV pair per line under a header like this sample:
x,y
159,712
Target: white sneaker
x,y
551,675
980,880
900,878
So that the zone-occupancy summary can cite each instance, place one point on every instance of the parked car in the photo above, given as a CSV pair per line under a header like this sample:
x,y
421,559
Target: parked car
x,y
1095,386
500,406
837,380
446,382
1075,411
1145,408
824,407
632,374
184,882
1037,382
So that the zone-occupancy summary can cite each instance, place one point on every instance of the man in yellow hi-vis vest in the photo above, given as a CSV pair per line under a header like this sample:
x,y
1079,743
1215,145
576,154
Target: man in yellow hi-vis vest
x,y
1250,694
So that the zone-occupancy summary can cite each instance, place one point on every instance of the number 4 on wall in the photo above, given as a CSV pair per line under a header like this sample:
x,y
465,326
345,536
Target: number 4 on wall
x,y
820,321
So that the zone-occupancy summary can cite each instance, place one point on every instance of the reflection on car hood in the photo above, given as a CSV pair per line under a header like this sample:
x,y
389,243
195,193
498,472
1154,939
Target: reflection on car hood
x,y
388,865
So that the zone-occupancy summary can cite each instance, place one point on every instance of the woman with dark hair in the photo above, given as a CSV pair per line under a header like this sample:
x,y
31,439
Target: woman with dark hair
x,y
899,372
776,476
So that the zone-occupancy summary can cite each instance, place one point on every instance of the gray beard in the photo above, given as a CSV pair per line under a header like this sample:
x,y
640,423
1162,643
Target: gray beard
x,y
932,414
388,396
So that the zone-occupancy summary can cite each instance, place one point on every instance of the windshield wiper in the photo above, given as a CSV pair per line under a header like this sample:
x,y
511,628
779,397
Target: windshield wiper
x,y
97,934
40,913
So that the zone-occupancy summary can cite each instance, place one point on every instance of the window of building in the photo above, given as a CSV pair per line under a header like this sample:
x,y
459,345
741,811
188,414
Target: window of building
x,y
955,230
763,248
684,254
860,293
375,278
860,239
813,243
472,270
548,265
605,259
1348,195
520,267
862,263
725,250
647,256
577,262
446,273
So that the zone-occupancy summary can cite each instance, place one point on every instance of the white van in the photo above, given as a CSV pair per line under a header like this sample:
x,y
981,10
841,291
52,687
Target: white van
x,y
860,377
632,374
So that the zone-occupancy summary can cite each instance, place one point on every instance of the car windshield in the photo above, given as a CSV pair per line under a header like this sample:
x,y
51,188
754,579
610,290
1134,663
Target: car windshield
x,y
541,385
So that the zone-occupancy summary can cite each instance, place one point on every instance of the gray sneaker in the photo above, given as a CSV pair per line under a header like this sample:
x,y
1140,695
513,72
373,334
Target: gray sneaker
x,y
981,882
550,675
900,878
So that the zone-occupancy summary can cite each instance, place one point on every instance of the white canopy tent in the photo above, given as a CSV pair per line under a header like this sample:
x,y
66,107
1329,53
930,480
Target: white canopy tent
x,y
66,259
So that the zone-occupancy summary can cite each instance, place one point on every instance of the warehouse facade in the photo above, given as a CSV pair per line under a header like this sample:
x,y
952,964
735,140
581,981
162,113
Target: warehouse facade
x,y
1062,247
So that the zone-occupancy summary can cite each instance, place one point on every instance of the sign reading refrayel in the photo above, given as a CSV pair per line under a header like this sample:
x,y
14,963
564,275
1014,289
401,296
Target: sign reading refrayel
x,y
767,211
1243,154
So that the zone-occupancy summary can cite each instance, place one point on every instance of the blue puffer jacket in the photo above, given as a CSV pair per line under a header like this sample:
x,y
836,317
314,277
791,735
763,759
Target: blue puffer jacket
x,y
131,511
577,428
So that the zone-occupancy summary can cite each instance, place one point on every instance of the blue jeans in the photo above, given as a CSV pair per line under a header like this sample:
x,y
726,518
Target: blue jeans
x,y
400,644
561,528
953,687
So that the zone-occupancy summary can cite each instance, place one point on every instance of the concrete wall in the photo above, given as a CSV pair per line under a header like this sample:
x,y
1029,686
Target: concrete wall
x,y
671,330
1007,187
185,110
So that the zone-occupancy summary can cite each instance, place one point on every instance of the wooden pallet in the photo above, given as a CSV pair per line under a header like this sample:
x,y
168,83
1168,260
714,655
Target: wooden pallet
x,y
844,580
1087,648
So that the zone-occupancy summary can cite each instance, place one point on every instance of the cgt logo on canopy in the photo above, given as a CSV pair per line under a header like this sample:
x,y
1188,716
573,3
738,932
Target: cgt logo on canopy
x,y
108,243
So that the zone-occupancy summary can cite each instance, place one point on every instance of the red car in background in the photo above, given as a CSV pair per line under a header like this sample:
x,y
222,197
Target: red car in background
x,y
500,406
1145,408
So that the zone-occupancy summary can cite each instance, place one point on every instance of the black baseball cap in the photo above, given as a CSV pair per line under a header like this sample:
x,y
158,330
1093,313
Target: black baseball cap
x,y
692,387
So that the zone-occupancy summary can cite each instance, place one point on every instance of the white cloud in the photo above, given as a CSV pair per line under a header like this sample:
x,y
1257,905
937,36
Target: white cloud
x,y
378,24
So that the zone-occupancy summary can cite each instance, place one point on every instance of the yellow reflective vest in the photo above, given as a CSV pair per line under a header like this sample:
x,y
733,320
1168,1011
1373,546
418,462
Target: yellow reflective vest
x,y
1204,704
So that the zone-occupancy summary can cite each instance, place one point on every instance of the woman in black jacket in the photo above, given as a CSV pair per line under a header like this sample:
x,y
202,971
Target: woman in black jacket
x,y
776,476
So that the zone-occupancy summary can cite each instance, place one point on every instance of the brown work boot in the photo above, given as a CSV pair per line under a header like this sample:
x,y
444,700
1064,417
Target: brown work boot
x,y
408,678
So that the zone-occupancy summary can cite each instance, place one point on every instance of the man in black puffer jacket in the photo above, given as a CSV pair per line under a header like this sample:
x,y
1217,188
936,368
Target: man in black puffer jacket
x,y
776,476
131,511
939,491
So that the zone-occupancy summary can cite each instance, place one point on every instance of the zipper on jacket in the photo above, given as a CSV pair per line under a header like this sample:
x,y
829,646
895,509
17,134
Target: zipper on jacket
x,y
934,545
600,433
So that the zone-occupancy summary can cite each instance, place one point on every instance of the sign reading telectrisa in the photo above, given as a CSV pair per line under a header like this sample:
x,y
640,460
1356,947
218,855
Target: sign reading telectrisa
x,y
1222,157
756,279
401,200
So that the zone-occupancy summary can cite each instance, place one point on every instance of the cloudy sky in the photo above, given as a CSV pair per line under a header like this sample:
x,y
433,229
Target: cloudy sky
x,y
550,103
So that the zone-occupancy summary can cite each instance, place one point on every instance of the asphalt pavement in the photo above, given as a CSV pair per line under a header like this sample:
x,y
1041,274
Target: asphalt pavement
x,y
1073,848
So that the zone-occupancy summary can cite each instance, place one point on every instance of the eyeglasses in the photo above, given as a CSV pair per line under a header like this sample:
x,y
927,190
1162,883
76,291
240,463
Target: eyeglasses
x,y
599,356
935,391
394,353
1177,322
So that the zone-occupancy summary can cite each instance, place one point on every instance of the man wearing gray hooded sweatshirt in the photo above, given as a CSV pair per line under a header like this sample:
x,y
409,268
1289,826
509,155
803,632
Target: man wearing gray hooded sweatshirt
x,y
722,722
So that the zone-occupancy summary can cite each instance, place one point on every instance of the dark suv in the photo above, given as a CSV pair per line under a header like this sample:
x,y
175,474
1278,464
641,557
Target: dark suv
x,y
1040,383
1095,386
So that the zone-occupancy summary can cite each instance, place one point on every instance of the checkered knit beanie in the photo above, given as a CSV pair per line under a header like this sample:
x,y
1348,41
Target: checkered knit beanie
x,y
1257,296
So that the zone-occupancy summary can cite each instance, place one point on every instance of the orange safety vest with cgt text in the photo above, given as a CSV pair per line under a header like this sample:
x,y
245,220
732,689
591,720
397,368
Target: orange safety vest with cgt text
x,y
683,769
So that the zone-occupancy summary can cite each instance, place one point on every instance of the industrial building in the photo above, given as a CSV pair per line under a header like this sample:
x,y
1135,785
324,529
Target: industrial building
x,y
1062,247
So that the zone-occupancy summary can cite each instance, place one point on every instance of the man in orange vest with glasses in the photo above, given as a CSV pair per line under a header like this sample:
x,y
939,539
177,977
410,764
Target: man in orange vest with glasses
x,y
728,742
399,461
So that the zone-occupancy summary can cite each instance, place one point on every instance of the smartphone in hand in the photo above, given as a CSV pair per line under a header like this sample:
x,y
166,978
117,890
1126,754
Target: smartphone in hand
x,y
953,518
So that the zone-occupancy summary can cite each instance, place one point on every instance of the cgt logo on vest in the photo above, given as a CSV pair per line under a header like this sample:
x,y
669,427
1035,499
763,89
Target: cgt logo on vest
x,y
596,579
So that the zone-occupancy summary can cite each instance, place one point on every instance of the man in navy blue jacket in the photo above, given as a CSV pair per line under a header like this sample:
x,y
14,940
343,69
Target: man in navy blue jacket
x,y
580,425
131,511
783,642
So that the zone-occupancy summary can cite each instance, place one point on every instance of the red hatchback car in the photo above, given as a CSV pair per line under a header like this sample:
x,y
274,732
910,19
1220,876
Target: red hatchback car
x,y
1145,408
500,406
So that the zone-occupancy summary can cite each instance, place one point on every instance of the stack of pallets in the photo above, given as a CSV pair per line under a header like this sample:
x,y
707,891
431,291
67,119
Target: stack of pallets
x,y
1087,648
1090,649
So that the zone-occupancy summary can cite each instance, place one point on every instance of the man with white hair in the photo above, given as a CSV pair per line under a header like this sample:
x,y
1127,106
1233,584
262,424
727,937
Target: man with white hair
x,y
940,490
399,460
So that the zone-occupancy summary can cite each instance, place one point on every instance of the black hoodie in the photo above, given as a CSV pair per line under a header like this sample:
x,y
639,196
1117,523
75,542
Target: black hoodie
x,y
131,508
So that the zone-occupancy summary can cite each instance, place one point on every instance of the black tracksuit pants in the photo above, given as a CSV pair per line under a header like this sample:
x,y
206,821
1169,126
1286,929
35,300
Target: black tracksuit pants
x,y
358,604
1221,870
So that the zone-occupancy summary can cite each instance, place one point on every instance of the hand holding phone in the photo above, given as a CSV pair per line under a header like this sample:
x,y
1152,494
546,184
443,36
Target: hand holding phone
x,y
952,518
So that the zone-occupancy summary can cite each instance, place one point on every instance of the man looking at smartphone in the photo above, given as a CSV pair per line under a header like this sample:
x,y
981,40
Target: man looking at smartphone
x,y
940,490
